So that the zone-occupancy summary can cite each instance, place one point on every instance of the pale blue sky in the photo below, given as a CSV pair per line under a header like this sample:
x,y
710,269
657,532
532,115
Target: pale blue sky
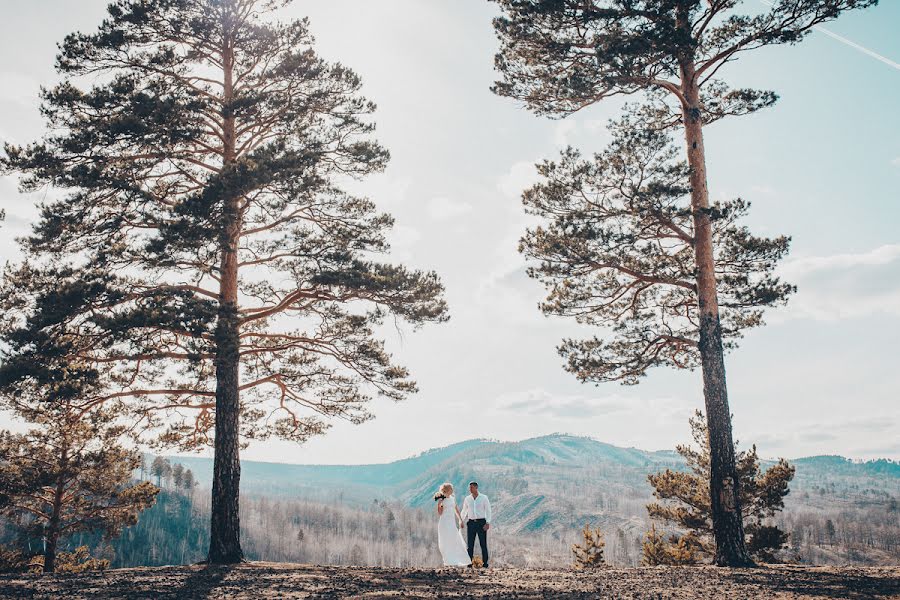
x,y
823,165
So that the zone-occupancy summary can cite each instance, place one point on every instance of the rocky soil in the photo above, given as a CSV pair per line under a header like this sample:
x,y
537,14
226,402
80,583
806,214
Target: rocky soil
x,y
269,580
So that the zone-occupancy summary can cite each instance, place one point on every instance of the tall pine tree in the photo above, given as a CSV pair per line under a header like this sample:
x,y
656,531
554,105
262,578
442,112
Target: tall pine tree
x,y
205,149
559,56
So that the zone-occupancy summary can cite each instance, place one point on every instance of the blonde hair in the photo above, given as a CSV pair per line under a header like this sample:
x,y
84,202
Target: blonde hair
x,y
446,489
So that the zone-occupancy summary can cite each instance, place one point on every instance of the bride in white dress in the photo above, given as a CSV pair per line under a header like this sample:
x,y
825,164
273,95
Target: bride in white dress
x,y
450,542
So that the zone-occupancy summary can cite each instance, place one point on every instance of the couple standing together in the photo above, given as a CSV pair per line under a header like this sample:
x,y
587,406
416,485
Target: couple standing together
x,y
475,514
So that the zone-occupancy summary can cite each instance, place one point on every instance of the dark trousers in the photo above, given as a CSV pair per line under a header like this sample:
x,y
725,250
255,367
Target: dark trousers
x,y
475,527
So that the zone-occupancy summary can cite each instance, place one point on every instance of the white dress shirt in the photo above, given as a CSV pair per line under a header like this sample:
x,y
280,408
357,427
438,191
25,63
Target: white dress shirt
x,y
476,508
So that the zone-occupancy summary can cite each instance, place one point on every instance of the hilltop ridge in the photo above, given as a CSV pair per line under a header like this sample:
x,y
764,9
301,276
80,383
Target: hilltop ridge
x,y
550,484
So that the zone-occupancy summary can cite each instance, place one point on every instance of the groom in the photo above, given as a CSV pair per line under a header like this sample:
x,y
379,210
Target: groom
x,y
476,513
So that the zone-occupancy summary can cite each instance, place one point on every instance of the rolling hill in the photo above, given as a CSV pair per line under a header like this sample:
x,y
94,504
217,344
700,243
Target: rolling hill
x,y
551,483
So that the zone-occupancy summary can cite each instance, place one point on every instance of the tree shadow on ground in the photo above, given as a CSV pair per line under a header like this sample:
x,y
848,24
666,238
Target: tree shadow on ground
x,y
203,582
821,584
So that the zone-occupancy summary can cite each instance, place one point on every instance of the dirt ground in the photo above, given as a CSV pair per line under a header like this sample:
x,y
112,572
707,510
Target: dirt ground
x,y
269,580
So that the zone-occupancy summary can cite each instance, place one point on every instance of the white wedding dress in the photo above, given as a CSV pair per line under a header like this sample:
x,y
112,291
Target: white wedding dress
x,y
450,541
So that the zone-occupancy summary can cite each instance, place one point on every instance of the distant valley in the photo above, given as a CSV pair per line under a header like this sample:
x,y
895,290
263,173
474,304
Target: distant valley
x,y
550,486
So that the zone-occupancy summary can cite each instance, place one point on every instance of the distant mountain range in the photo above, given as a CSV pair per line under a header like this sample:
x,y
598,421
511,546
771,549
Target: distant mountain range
x,y
547,483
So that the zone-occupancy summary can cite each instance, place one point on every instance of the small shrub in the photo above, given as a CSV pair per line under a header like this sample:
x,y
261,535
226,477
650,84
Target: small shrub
x,y
589,554
78,561
677,550
13,561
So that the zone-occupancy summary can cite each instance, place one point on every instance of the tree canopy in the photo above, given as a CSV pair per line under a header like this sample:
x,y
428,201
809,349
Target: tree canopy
x,y
559,56
142,155
616,250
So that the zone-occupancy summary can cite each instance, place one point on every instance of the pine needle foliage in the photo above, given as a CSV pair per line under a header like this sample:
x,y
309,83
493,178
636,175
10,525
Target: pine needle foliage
x,y
672,550
187,132
615,250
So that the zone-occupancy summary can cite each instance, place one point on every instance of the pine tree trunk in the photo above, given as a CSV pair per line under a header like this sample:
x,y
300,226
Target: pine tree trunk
x,y
224,539
50,552
51,536
224,542
728,528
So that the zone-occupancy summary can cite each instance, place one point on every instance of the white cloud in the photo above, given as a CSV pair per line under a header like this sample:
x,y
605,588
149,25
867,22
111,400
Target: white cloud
x,y
520,176
834,307
612,408
763,190
896,162
19,88
881,255
402,239
563,132
820,437
843,286
443,208
510,297
20,209
540,402
384,189
6,137
595,125
600,133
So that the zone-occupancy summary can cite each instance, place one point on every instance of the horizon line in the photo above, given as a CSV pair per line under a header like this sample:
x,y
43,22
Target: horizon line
x,y
853,460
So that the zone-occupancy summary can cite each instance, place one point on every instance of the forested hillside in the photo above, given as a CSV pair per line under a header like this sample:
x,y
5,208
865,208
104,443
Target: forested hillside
x,y
543,491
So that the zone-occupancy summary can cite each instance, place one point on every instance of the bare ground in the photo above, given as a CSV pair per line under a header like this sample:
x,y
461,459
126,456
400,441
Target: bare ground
x,y
270,580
